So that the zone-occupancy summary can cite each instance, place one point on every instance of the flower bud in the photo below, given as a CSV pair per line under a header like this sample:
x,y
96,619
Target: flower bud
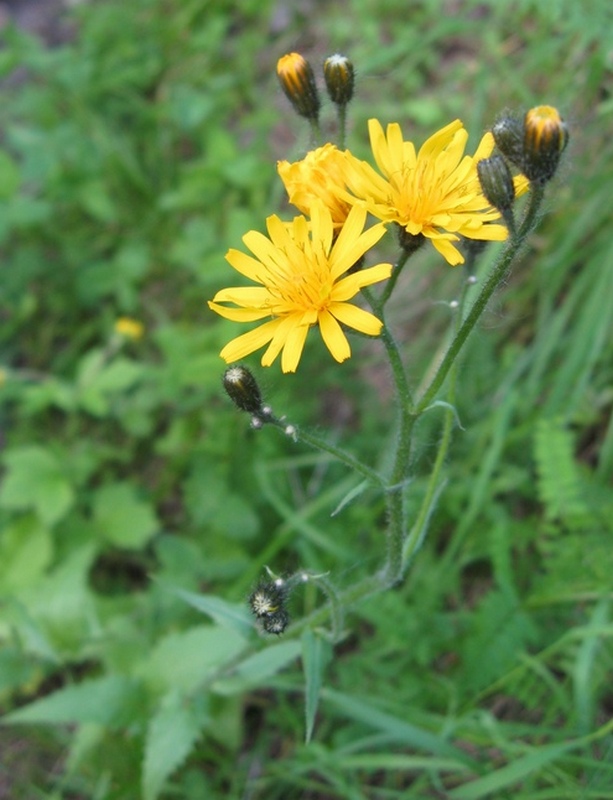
x,y
268,598
242,389
267,602
340,78
545,137
508,133
298,82
276,623
496,182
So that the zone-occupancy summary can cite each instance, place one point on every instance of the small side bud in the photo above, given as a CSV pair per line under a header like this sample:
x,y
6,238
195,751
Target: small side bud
x,y
340,79
276,623
545,137
242,389
508,133
298,82
496,182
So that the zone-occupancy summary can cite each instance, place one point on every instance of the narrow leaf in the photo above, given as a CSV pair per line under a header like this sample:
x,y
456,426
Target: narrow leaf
x,y
231,615
492,784
314,659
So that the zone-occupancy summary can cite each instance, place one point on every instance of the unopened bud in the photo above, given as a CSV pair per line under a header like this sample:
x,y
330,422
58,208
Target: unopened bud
x,y
298,82
496,182
508,133
242,389
340,79
276,623
267,603
545,137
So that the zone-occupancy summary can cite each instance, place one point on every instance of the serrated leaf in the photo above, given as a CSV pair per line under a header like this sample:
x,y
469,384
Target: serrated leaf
x,y
111,701
314,658
185,660
36,479
122,517
171,735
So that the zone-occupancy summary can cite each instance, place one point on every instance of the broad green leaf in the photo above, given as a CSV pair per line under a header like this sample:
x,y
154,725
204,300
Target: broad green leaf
x,y
112,701
315,655
99,379
35,479
26,550
122,517
16,670
171,734
256,670
185,660
60,607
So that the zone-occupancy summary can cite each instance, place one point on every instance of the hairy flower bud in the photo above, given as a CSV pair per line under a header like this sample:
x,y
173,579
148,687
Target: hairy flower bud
x,y
276,623
340,79
243,389
298,82
545,137
508,133
496,182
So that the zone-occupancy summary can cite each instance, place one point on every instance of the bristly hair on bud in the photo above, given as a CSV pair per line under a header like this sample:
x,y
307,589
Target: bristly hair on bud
x,y
496,182
268,598
276,623
298,82
267,603
242,389
340,78
508,133
545,137
533,144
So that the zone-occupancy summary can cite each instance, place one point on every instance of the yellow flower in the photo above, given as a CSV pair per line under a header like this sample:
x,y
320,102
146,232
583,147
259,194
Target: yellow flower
x,y
319,176
130,328
299,268
435,192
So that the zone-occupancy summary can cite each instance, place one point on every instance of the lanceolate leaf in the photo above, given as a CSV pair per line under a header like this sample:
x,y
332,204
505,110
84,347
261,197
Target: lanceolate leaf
x,y
171,735
112,701
314,658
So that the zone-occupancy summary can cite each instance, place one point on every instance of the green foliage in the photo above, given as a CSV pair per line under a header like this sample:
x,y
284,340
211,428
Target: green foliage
x,y
137,510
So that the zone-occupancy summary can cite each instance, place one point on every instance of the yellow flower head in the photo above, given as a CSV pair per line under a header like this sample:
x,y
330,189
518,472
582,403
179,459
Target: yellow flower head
x,y
300,268
435,192
130,328
319,176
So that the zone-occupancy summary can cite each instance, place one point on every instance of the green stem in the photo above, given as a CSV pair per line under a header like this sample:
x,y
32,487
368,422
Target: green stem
x,y
316,138
326,447
418,531
349,596
392,570
491,284
342,125
389,286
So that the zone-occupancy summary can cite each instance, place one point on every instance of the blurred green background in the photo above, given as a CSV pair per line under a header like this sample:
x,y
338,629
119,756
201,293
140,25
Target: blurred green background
x,y
136,147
